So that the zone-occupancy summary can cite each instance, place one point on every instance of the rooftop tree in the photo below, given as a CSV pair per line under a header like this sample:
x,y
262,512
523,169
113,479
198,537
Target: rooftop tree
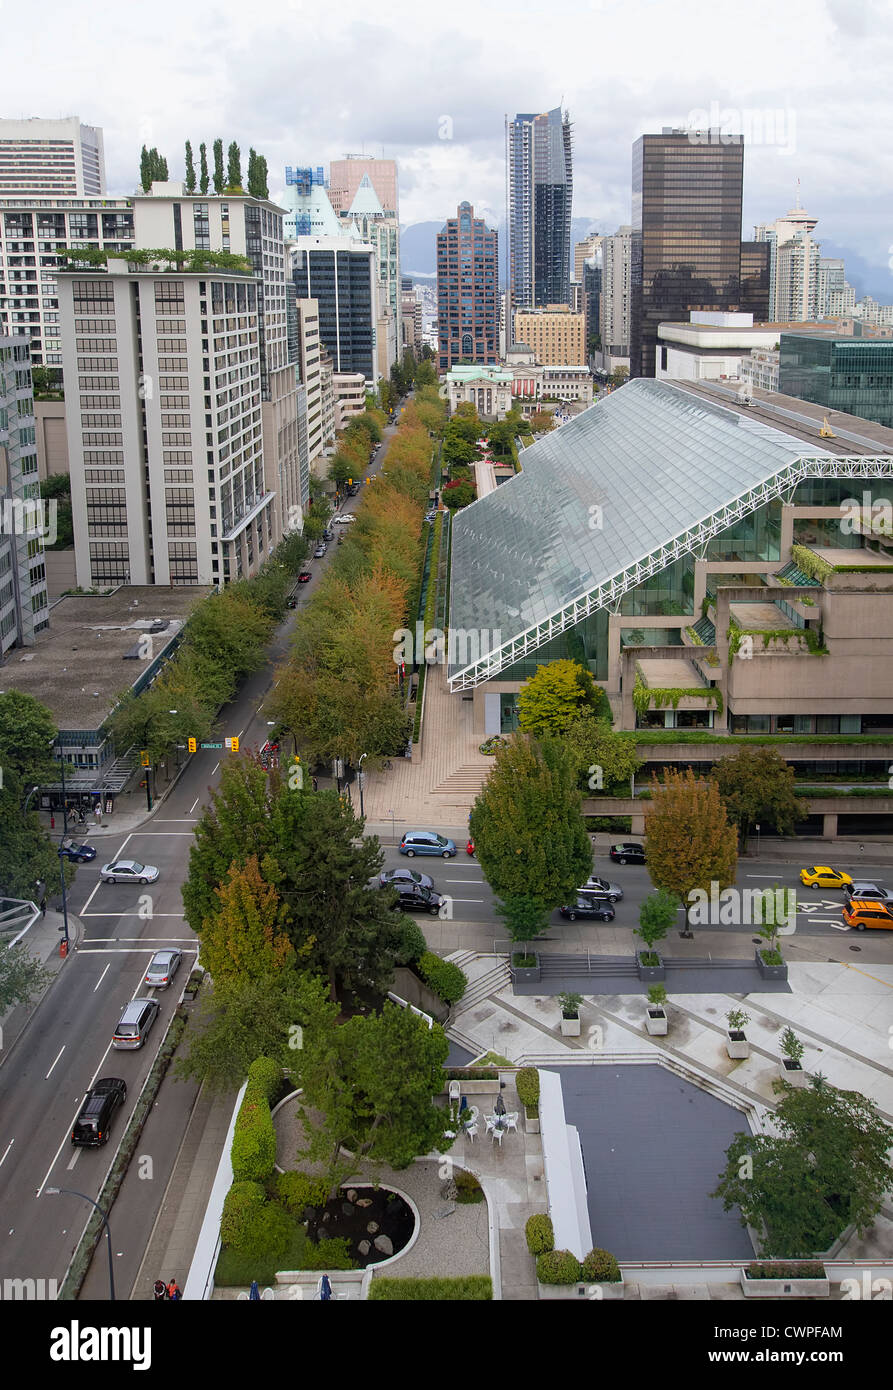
x,y
219,179
204,179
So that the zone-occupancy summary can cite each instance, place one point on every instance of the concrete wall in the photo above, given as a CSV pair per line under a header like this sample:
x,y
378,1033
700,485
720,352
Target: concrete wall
x,y
52,441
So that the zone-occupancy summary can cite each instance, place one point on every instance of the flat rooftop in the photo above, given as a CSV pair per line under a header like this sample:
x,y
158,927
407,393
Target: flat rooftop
x,y
77,668
802,419
761,617
674,673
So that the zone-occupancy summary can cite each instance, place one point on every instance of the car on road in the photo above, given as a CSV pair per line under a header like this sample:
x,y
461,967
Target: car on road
x,y
80,854
91,1128
135,1024
612,891
291,601
320,550
823,876
589,905
412,898
396,876
305,576
328,535
162,968
867,892
353,489
860,913
128,871
343,519
426,842
430,516
628,853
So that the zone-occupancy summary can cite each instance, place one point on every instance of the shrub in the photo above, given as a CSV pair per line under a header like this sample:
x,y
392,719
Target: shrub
x,y
328,1254
540,1236
600,1267
412,944
780,1269
297,1191
240,1207
445,978
254,1142
264,1078
470,1287
469,1189
557,1267
472,1074
528,1083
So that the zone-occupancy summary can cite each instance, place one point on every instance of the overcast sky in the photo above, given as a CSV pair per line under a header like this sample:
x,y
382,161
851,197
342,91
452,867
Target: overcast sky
x,y
304,82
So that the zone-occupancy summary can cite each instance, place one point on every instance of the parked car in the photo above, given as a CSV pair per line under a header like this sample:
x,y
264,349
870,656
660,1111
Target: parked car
x,y
866,891
612,891
413,898
128,871
426,842
135,1023
91,1128
305,576
822,876
628,853
343,519
162,968
396,876
589,905
328,535
80,854
291,601
320,550
860,914
353,489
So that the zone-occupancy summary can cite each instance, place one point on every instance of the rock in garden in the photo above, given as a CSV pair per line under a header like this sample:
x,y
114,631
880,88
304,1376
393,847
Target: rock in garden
x,y
449,1192
351,1194
364,1201
384,1245
347,1208
327,1216
372,1227
364,1247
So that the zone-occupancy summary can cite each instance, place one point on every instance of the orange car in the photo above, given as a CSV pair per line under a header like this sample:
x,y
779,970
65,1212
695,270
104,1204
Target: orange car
x,y
861,914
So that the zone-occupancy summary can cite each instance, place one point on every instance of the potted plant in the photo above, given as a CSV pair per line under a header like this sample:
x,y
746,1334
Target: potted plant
x,y
737,1044
570,1014
526,966
792,1050
528,1084
656,1014
769,959
656,915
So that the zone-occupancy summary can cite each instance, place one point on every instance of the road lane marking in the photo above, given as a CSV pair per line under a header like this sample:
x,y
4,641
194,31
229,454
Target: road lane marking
x,y
194,804
175,820
214,768
181,915
90,899
58,1055
74,1159
102,977
6,1151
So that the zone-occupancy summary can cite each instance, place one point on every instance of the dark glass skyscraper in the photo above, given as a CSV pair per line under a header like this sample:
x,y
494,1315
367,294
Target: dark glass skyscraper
x,y
854,375
467,290
539,178
339,276
686,239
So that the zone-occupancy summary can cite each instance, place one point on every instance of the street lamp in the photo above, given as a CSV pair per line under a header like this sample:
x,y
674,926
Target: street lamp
x,y
360,780
57,1192
28,799
149,767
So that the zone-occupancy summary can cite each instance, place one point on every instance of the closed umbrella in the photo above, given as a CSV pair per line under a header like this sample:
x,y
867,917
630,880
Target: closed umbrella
x,y
254,1291
325,1289
499,1107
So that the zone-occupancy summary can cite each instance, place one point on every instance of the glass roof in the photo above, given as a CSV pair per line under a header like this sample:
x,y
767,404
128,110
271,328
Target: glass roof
x,y
600,494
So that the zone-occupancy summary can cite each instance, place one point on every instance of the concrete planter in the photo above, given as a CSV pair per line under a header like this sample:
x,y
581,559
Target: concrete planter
x,y
737,1045
784,1288
570,1027
527,972
656,1022
580,1291
483,1087
770,972
793,1073
531,1122
650,972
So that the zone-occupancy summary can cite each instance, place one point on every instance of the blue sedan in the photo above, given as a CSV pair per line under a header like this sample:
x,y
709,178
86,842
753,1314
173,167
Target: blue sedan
x,y
79,853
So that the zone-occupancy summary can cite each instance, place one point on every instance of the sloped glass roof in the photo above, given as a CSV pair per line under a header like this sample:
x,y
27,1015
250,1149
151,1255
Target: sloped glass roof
x,y
599,495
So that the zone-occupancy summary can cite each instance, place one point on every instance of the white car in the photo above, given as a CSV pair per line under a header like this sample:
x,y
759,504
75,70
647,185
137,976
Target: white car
x,y
128,871
343,518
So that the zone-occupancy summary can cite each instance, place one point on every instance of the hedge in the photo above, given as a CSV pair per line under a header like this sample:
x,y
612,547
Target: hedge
x,y
528,1084
781,1269
241,1206
600,1267
540,1235
446,979
558,1267
297,1191
470,1288
254,1141
412,945
264,1078
469,1189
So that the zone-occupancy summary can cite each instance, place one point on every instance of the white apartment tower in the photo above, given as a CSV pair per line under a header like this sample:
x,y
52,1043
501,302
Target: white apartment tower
x,y
615,299
46,159
793,275
23,586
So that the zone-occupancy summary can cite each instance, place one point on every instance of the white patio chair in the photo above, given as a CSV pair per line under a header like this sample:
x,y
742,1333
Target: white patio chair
x,y
496,1135
511,1120
456,1093
471,1132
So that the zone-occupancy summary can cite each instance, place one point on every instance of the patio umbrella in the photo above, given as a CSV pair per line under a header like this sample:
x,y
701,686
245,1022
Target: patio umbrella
x,y
499,1107
254,1292
325,1289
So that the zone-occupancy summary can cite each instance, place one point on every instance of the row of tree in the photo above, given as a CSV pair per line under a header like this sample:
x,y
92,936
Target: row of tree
x,y
153,168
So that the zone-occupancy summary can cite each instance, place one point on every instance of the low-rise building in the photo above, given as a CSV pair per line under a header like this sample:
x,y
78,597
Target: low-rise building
x,y
350,396
555,333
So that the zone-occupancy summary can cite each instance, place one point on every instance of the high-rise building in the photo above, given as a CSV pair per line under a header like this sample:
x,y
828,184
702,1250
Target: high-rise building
x,y
790,276
584,251
591,298
346,176
411,315
831,279
755,280
310,368
340,274
51,159
367,221
539,179
615,300
852,375
23,585
467,290
686,239
555,335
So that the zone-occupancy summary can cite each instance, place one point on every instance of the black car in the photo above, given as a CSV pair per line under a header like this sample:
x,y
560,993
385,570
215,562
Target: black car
x,y
396,876
91,1128
628,854
80,854
353,489
591,905
328,535
412,897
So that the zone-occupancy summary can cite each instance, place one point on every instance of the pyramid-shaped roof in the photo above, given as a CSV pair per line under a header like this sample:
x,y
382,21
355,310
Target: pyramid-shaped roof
x,y
366,202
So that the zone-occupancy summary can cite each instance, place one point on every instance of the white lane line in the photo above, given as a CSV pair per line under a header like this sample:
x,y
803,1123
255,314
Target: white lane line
x,y
240,733
175,820
761,876
74,1159
6,1151
193,806
90,899
464,900
59,1054
181,915
214,768
102,977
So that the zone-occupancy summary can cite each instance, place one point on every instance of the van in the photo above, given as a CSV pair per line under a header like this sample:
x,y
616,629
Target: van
x,y
135,1022
860,914
91,1128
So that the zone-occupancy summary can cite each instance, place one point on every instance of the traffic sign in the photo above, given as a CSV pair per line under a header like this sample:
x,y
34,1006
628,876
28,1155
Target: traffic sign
x,y
211,745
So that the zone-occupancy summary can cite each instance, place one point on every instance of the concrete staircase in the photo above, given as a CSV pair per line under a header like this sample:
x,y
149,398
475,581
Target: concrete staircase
x,y
559,963
463,785
495,978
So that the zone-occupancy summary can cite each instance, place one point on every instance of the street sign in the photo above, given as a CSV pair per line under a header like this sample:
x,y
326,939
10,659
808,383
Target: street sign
x,y
211,745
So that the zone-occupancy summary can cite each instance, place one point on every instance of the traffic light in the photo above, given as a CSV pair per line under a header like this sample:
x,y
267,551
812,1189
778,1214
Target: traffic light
x,y
350,482
234,744
144,758
191,745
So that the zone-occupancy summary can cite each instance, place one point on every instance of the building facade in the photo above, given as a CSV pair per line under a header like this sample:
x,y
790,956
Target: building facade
x,y
853,375
686,237
24,522
554,334
793,277
467,290
340,275
539,179
346,175
614,306
51,159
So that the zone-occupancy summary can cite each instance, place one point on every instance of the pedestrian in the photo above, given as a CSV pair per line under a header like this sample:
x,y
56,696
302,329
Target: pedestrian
x,y
40,893
97,812
160,1290
173,1291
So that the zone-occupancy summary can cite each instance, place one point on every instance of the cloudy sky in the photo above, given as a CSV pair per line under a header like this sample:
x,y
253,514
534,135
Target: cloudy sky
x,y
303,82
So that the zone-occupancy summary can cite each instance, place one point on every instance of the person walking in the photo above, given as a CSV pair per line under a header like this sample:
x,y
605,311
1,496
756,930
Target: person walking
x,y
173,1291
160,1291
40,893
97,813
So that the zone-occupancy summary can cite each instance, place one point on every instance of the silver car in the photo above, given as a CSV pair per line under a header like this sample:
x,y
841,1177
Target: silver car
x,y
128,871
862,889
162,968
612,891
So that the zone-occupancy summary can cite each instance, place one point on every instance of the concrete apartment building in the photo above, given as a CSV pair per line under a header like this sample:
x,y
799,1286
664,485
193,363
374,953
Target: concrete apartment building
x,y
467,290
350,396
554,333
51,158
614,302
23,522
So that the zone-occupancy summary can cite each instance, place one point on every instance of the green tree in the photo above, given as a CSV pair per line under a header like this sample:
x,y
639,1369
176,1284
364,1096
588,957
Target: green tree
x,y
190,168
145,170
292,551
234,827
690,841
456,497
425,374
260,177
57,490
757,786
457,450
529,835
231,629
556,695
234,168
245,938
619,376
204,179
657,914
604,759
21,977
219,180
27,732
827,1167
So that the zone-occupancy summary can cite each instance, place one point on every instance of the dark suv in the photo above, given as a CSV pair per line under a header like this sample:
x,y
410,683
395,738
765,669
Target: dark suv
x,y
91,1128
628,853
412,897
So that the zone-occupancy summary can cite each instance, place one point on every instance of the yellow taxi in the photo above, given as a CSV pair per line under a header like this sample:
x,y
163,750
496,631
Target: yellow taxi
x,y
861,914
821,876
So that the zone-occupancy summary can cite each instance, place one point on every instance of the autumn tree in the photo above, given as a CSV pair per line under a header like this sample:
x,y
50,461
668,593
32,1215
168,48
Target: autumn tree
x,y
691,844
244,937
234,828
757,787
557,694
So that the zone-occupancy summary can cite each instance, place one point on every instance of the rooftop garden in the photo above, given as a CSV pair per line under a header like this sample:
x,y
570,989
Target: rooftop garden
x,y
162,260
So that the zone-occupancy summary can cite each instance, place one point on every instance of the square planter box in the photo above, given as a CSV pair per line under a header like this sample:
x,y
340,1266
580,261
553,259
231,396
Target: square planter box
x,y
737,1045
650,972
531,1122
570,1027
656,1022
527,972
784,1288
770,972
794,1074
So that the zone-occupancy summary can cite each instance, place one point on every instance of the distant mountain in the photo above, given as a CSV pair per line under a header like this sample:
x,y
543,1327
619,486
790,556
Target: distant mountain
x,y
418,244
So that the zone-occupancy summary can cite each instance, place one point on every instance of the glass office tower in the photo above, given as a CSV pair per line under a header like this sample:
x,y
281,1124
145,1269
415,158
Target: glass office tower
x,y
539,177
854,375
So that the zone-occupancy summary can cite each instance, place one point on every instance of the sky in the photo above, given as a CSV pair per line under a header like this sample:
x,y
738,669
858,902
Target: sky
x,y
806,81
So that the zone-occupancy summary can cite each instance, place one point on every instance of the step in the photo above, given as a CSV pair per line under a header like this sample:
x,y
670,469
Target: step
x,y
461,958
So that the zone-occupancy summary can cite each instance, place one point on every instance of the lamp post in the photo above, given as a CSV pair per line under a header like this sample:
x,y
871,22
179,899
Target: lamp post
x,y
28,799
57,1192
149,765
360,780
